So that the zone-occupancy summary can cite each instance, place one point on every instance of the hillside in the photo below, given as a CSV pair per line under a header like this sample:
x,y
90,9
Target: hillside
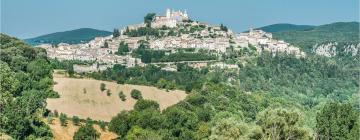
x,y
70,37
90,101
335,32
282,27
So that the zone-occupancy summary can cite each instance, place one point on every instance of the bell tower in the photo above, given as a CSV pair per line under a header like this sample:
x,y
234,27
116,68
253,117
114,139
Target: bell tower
x,y
168,13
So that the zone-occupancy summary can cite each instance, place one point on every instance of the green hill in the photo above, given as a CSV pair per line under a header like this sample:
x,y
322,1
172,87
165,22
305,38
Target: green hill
x,y
70,37
335,32
281,27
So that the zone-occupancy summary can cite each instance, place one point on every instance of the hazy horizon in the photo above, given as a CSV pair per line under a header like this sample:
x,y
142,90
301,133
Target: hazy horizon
x,y
43,16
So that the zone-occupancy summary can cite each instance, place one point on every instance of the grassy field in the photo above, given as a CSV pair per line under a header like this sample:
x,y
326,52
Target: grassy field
x,y
83,97
67,132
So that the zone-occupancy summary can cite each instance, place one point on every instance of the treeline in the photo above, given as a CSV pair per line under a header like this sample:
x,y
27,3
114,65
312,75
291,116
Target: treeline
x,y
186,78
26,81
153,56
142,31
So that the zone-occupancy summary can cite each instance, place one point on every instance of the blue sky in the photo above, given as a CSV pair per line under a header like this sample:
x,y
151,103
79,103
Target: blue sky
x,y
30,18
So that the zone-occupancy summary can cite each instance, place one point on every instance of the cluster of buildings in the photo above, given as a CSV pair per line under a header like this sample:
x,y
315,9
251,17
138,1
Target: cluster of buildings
x,y
207,37
93,52
264,42
218,45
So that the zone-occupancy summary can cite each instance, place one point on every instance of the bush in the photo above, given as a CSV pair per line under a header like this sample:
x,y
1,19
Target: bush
x,y
86,132
50,119
122,96
102,87
76,120
102,125
56,113
63,119
120,124
146,104
108,92
136,94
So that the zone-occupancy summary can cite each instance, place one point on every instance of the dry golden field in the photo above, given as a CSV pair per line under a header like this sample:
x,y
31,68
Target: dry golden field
x,y
83,97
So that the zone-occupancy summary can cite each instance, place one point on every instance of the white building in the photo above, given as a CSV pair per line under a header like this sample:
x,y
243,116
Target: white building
x,y
171,19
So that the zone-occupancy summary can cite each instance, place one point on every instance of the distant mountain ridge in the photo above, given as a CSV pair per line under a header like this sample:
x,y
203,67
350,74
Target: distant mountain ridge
x,y
281,27
70,37
307,36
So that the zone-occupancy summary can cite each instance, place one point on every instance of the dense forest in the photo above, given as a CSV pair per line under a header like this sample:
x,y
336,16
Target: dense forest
x,y
345,32
26,81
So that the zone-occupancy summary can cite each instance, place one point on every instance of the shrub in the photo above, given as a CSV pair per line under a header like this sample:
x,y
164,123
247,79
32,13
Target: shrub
x,y
56,113
108,92
136,94
76,120
122,96
102,87
146,104
50,119
86,132
63,119
102,125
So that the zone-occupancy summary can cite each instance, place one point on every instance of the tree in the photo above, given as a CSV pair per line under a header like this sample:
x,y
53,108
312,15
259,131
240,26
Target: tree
x,y
136,94
106,45
120,124
122,96
337,121
149,18
56,113
149,118
116,33
102,125
63,119
123,48
137,133
108,92
229,128
70,70
146,104
8,82
50,119
223,28
102,86
278,124
76,120
86,132
39,68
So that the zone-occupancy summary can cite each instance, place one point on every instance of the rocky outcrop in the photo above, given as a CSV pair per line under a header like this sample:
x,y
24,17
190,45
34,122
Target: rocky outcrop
x,y
334,48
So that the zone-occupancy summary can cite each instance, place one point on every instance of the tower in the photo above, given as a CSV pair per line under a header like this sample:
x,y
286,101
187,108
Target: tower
x,y
185,14
168,13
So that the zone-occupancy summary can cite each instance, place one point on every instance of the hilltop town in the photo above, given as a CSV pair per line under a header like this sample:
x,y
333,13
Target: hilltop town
x,y
169,33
